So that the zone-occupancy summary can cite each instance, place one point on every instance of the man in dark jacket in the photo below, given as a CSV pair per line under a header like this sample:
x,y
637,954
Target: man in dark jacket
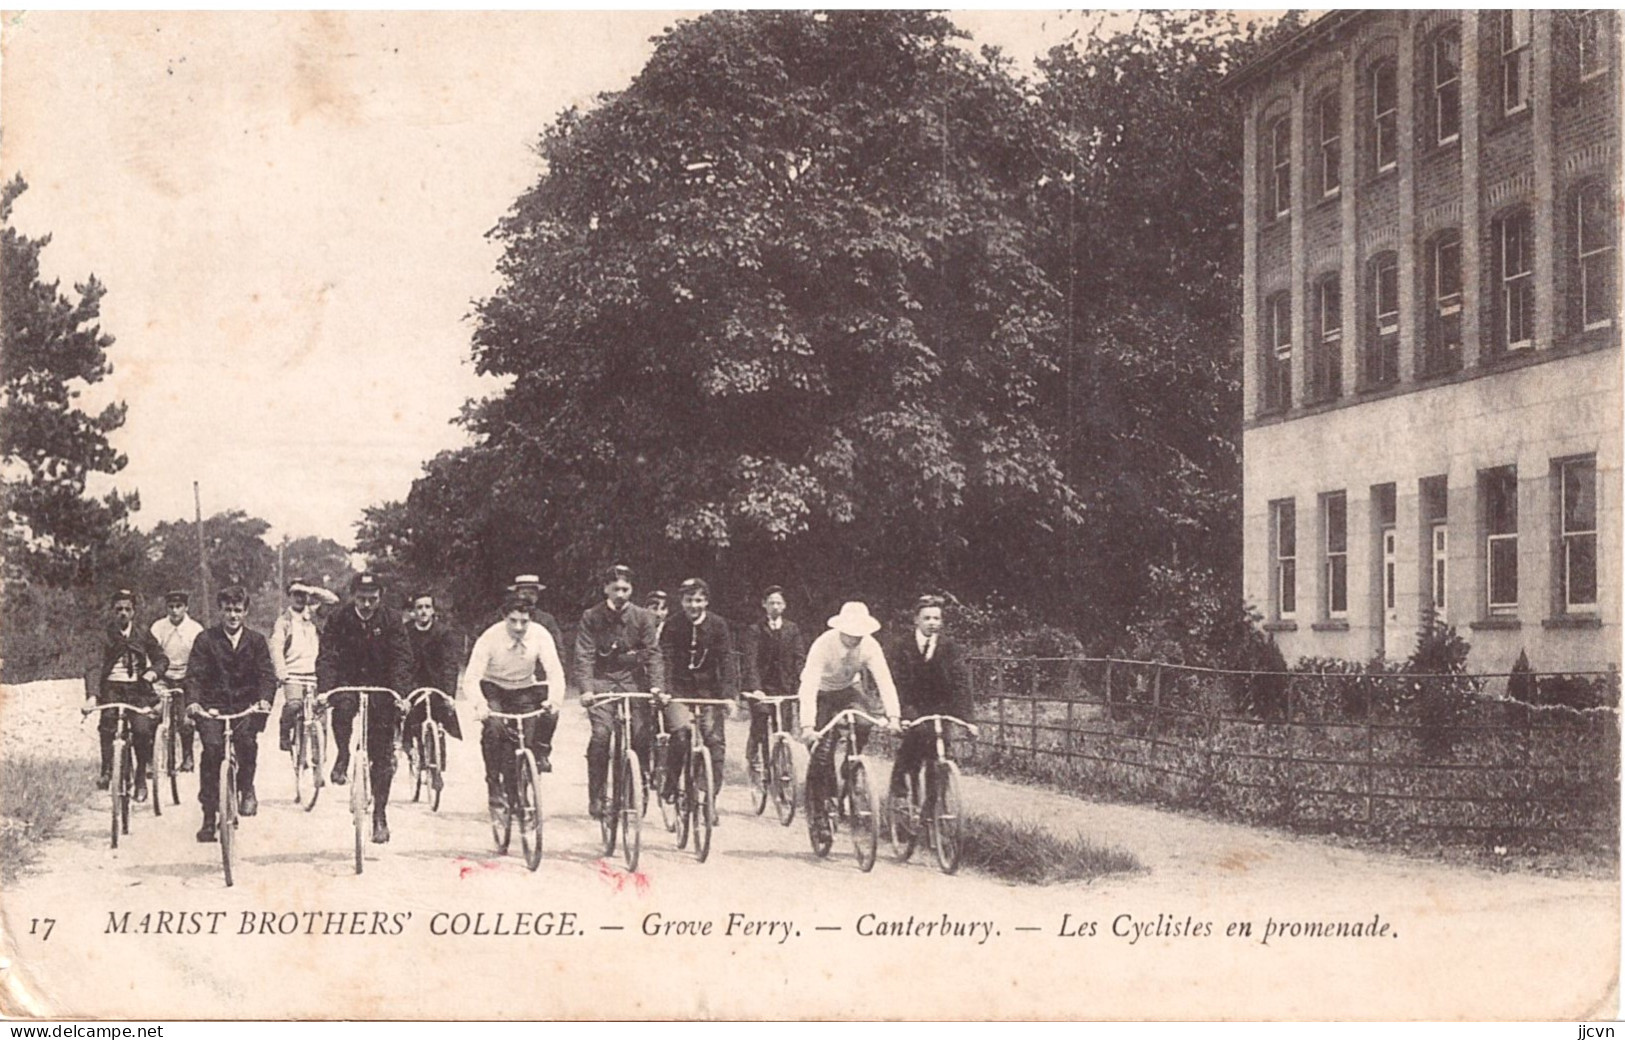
x,y
774,653
616,651
933,678
364,645
230,670
128,661
699,651
437,654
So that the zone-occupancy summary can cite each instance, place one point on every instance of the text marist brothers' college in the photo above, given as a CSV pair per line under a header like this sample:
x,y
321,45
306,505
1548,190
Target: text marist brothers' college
x,y
1432,362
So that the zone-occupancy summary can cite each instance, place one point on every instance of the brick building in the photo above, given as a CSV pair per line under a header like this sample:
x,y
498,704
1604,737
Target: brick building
x,y
1432,341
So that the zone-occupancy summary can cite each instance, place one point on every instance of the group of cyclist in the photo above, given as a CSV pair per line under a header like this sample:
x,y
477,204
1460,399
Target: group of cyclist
x,y
516,667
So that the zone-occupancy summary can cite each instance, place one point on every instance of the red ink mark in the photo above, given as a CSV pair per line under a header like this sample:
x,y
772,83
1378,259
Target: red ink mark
x,y
617,878
466,866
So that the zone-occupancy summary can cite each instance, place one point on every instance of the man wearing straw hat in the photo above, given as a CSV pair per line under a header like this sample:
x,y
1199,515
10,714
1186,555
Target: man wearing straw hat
x,y
832,681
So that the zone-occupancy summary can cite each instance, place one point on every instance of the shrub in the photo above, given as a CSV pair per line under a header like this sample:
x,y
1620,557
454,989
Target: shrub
x,y
47,633
1443,703
37,794
1030,853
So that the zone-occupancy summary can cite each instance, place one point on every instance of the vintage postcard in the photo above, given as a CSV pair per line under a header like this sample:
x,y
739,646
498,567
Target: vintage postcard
x,y
811,515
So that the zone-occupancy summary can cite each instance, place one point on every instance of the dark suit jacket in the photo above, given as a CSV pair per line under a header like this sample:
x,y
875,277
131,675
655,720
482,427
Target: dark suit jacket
x,y
437,655
620,646
700,663
940,686
229,680
373,652
773,660
140,651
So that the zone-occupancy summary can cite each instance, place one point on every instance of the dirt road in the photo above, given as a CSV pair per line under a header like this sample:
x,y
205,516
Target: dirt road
x,y
438,926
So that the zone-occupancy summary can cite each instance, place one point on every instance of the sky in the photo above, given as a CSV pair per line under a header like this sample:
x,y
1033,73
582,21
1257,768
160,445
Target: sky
x,y
289,212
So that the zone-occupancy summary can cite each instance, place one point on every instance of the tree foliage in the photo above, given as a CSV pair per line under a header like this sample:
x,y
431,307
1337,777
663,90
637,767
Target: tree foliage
x,y
51,348
237,551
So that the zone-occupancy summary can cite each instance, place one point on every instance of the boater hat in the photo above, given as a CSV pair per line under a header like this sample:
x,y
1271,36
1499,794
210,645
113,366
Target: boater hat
x,y
854,620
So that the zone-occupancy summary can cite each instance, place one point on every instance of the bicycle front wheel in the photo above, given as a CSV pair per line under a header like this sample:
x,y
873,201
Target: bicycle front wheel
x,y
314,741
630,808
227,819
903,818
864,813
155,768
782,779
298,758
756,764
609,815
948,817
126,788
360,775
115,786
434,762
658,759
530,811
172,765
703,804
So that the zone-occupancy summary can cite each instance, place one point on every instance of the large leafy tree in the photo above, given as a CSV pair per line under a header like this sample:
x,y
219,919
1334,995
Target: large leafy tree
x,y
51,348
776,310
237,552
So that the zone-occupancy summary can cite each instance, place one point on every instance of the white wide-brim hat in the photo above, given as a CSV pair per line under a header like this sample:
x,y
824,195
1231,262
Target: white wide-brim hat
x,y
854,620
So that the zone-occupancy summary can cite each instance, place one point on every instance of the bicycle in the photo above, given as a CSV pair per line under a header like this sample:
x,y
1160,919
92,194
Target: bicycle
x,y
623,816
427,755
696,789
309,749
166,747
772,764
121,785
360,761
659,755
526,790
229,813
854,802
932,802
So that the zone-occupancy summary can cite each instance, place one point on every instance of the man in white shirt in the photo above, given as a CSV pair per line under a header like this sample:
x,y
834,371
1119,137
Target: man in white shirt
x,y
176,631
295,644
502,676
832,681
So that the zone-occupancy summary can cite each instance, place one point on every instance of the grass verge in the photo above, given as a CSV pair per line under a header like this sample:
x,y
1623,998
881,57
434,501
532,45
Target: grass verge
x,y
1032,854
36,794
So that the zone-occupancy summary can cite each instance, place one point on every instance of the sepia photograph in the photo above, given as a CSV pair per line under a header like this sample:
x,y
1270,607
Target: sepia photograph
x,y
901,515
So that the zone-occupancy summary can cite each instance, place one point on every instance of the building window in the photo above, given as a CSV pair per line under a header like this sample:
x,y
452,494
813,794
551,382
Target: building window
x,y
1283,517
1593,276
1382,345
1277,354
1435,507
1328,370
1441,570
1514,242
1328,115
1499,494
1281,166
1578,493
1447,87
1385,115
1444,306
1593,31
1335,511
1514,61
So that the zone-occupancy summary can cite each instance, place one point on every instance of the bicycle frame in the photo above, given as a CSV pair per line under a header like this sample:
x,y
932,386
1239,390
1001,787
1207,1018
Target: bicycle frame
x,y
853,796
121,785
227,791
623,817
527,790
360,759
431,744
308,742
778,769
934,805
696,791
165,745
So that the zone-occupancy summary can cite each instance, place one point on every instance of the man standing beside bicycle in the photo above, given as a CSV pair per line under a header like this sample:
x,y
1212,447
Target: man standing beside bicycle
x,y
832,681
933,678
296,643
128,661
774,652
175,632
699,653
502,675
437,652
617,651
365,645
230,671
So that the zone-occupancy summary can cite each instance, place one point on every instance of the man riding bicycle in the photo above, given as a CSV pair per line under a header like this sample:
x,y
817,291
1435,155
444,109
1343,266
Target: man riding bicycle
x,y
364,645
128,661
616,651
295,644
832,681
774,652
502,676
230,670
437,652
175,633
933,678
699,652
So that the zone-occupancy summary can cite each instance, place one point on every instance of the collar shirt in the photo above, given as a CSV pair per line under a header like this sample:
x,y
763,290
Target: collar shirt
x,y
177,642
927,644
512,663
295,644
228,673
831,666
124,667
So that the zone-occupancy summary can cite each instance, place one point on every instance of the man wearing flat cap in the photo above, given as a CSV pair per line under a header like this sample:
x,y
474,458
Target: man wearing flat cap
x,y
700,664
175,632
364,645
615,652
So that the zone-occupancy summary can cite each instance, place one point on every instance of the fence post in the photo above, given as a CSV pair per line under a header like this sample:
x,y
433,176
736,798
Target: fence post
x,y
1367,684
1156,701
1291,770
1108,692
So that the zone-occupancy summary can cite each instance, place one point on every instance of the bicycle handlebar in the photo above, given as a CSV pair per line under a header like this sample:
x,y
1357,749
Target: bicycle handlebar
x,y
254,710
765,698
521,716
399,700
154,710
699,700
840,717
422,693
625,695
945,718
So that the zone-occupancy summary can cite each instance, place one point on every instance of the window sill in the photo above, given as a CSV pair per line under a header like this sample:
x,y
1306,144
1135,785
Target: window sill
x,y
1573,621
1495,624
1330,626
1280,626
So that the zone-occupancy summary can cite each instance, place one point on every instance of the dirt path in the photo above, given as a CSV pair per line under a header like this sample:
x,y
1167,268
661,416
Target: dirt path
x,y
1459,943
